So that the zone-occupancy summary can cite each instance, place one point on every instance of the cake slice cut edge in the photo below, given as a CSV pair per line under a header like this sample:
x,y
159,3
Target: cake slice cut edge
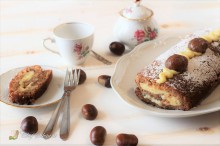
x,y
160,95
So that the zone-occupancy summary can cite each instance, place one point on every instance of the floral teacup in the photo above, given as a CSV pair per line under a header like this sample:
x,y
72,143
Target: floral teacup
x,y
136,25
74,41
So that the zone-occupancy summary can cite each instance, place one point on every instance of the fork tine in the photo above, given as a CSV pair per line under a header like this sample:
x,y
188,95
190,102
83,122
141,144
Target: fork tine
x,y
71,78
75,77
78,76
66,80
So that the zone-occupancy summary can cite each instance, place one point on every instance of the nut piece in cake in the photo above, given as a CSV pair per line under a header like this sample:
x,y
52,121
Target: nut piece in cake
x,y
29,84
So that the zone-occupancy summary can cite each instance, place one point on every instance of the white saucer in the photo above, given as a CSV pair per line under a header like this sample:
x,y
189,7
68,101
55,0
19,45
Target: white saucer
x,y
52,95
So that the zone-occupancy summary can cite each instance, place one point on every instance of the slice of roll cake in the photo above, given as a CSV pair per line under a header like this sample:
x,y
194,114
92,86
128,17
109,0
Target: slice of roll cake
x,y
184,75
29,84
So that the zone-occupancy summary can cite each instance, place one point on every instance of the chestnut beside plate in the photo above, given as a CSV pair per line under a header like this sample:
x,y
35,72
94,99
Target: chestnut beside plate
x,y
123,80
52,95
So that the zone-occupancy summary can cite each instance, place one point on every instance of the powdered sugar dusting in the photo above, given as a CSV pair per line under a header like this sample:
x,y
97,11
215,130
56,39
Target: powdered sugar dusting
x,y
202,70
181,46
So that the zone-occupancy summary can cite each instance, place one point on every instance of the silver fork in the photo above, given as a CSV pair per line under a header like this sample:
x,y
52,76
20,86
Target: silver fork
x,y
68,87
70,83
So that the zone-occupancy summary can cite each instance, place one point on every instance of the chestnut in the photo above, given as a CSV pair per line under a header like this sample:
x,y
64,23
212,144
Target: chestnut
x,y
89,112
198,45
104,80
126,140
117,48
177,62
97,135
29,125
82,77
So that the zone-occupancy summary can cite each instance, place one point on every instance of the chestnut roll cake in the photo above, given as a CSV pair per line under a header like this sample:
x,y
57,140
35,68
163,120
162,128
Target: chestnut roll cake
x,y
184,75
29,84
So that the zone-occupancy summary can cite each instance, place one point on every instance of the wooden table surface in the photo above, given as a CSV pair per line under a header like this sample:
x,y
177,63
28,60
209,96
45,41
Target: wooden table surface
x,y
25,23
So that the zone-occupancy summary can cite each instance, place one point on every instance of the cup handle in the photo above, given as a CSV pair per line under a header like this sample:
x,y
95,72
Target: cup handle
x,y
45,46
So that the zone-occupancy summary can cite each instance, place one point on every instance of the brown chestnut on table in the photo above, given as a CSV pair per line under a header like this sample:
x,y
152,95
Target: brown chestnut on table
x,y
97,135
117,48
198,45
89,112
29,125
126,140
177,62
104,80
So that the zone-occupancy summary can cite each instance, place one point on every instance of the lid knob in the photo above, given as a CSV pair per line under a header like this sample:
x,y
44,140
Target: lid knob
x,y
137,2
136,11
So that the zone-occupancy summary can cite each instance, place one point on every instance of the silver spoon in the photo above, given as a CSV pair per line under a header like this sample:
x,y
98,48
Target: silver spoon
x,y
100,58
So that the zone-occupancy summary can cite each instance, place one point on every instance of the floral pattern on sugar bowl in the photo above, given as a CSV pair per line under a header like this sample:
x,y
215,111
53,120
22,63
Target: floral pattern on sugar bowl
x,y
135,25
142,35
81,50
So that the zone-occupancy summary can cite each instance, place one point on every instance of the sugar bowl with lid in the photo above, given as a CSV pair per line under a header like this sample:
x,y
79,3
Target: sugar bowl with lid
x,y
135,25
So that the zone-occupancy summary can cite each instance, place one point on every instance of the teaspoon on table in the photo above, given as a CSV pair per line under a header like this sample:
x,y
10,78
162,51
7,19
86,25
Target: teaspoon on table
x,y
100,58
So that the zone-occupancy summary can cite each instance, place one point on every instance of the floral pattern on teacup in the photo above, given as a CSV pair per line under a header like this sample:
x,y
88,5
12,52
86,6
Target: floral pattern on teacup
x,y
80,50
145,35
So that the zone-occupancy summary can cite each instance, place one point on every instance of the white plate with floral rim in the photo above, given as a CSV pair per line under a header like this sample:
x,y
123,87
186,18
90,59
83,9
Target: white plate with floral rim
x,y
129,65
51,96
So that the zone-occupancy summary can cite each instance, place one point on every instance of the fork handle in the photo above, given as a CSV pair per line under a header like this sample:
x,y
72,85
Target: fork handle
x,y
65,123
49,128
